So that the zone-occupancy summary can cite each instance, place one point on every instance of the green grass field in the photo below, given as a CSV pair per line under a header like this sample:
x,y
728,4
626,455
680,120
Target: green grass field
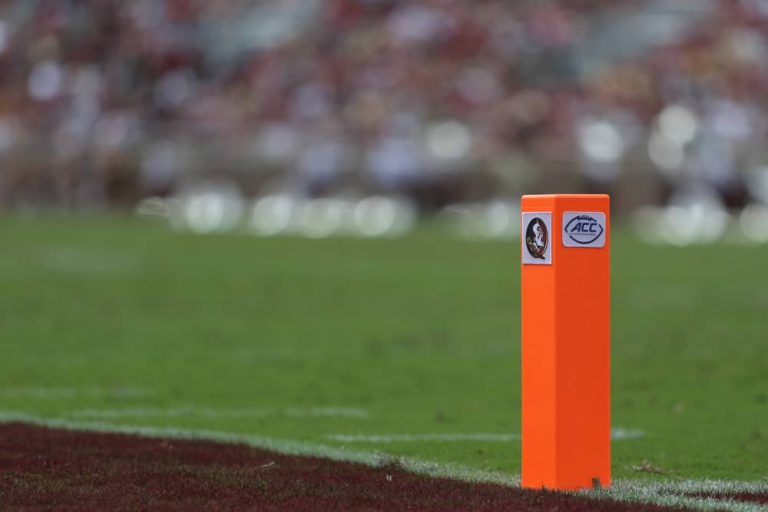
x,y
125,322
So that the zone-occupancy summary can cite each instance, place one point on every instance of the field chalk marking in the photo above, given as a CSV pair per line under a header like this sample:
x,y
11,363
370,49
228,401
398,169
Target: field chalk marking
x,y
209,412
415,438
288,447
65,393
672,494
90,262
623,434
618,434
659,493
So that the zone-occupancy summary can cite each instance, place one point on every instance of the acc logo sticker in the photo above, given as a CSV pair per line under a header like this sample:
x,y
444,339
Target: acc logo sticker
x,y
584,229
537,244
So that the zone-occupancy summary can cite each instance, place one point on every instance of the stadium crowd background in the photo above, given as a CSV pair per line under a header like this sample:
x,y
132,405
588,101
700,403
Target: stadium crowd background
x,y
103,103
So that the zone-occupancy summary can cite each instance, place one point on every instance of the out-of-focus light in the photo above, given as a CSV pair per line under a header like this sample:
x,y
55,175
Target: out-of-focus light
x,y
494,220
754,223
648,222
174,88
160,164
116,130
449,140
678,124
326,217
747,45
45,80
272,215
209,208
277,142
501,219
757,182
600,141
414,23
666,154
679,226
694,216
383,216
479,85
321,218
3,37
155,206
7,135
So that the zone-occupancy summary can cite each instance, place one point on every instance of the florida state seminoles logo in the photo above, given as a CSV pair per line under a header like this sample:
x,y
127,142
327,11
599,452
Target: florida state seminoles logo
x,y
537,238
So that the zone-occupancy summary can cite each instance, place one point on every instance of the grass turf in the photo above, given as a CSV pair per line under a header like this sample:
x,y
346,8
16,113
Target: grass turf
x,y
423,333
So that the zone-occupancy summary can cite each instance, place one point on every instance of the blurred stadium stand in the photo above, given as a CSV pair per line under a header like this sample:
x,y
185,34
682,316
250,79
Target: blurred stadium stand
x,y
105,102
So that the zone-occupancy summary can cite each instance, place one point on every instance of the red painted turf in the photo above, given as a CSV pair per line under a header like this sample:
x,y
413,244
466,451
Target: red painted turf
x,y
42,468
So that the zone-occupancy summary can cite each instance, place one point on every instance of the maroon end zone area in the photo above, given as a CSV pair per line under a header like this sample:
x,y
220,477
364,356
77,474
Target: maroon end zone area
x,y
44,468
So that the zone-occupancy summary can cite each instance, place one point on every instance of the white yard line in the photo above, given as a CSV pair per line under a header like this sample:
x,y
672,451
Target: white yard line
x,y
209,412
715,486
90,262
623,434
413,438
670,494
285,446
618,434
660,493
67,393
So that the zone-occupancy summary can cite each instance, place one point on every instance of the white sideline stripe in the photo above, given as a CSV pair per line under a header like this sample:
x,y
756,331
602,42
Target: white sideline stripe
x,y
618,434
634,491
623,434
64,393
413,438
666,494
89,262
208,412
285,446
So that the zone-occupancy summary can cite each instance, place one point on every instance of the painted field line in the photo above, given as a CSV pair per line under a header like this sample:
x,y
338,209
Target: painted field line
x,y
660,493
415,438
69,393
90,262
285,446
618,434
624,434
673,494
210,412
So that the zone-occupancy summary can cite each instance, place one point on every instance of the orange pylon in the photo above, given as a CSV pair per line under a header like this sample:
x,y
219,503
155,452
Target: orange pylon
x,y
565,285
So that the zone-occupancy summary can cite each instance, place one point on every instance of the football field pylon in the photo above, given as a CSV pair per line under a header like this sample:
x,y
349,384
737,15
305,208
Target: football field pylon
x,y
565,286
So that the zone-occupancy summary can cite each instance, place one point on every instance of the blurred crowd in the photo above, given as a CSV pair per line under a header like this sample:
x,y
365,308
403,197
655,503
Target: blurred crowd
x,y
104,102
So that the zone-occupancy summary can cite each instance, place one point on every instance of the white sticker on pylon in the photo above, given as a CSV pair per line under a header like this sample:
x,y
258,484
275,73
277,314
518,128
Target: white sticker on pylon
x,y
537,238
584,229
